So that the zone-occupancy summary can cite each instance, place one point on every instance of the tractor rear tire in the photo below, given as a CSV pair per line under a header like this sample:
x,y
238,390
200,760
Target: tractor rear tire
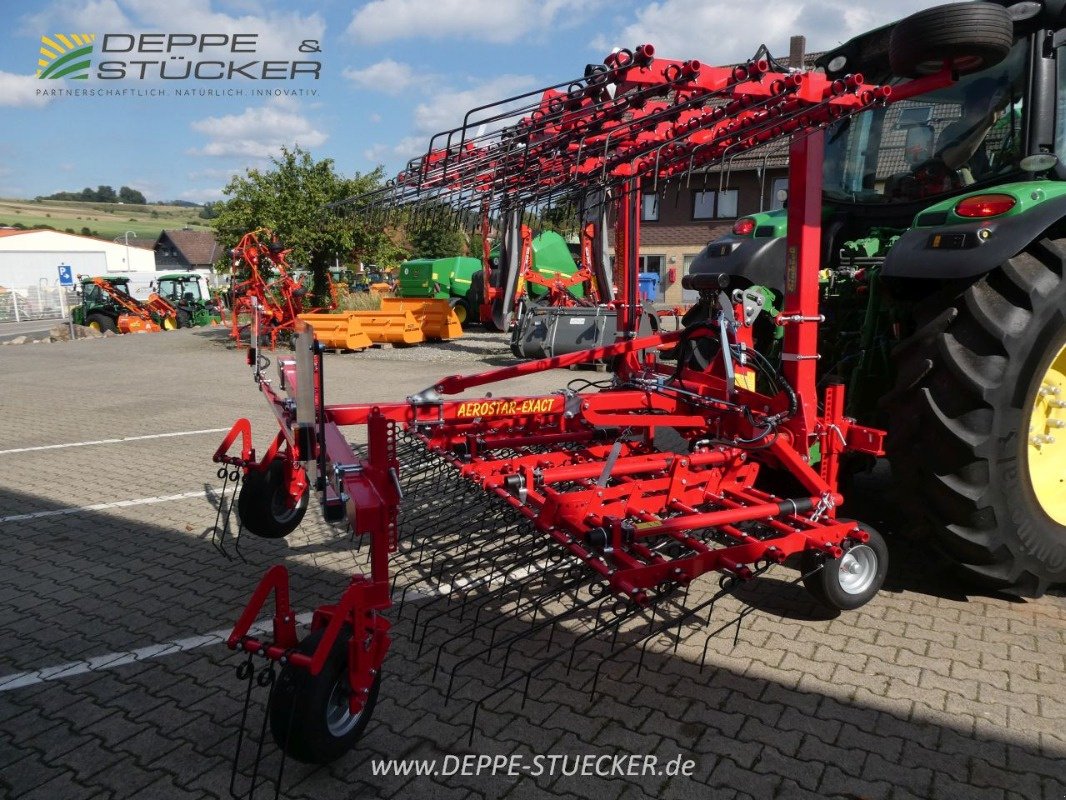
x,y
963,421
309,716
854,579
262,503
102,323
975,36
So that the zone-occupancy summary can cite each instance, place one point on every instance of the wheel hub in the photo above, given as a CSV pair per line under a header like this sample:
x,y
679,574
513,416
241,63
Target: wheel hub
x,y
858,568
339,717
1046,451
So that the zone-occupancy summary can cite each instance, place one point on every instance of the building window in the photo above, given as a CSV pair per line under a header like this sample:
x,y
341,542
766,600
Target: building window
x,y
714,205
703,205
649,208
727,204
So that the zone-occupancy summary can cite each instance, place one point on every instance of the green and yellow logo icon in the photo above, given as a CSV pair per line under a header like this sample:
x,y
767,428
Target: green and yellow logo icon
x,y
66,55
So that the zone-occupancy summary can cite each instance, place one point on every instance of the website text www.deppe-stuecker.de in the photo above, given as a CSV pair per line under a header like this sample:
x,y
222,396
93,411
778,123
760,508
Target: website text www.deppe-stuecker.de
x,y
626,765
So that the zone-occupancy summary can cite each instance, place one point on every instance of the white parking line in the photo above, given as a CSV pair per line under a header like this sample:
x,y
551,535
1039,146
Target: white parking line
x,y
111,441
20,680
142,501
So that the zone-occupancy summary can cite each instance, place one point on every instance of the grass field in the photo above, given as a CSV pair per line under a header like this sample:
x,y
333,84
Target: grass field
x,y
107,220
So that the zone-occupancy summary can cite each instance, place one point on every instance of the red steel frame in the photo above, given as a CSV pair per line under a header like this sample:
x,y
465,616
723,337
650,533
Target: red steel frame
x,y
608,497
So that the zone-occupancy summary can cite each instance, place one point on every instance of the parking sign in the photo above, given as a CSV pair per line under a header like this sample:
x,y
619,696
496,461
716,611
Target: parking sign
x,y
66,275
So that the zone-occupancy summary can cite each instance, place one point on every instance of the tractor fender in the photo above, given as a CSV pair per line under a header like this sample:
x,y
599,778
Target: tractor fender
x,y
760,260
957,251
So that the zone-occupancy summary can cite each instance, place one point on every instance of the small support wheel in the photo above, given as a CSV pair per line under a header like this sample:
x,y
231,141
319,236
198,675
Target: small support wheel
x,y
309,715
852,580
264,504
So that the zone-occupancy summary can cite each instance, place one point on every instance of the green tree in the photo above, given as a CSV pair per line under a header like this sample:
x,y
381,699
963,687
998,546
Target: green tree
x,y
291,198
128,195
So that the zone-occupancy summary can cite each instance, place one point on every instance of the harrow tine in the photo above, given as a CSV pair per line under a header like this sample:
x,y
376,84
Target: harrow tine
x,y
225,509
265,678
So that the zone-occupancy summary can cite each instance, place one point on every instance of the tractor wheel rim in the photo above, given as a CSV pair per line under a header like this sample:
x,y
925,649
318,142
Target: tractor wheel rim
x,y
94,325
339,718
1046,450
460,313
857,569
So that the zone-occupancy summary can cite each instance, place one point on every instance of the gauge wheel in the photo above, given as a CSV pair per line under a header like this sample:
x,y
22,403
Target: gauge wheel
x,y
852,580
264,504
310,718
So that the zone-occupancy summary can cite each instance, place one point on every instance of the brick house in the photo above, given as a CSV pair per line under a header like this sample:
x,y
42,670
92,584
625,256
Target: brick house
x,y
186,250
679,221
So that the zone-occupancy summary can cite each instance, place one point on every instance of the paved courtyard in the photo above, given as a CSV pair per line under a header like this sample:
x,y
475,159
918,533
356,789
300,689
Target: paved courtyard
x,y
114,601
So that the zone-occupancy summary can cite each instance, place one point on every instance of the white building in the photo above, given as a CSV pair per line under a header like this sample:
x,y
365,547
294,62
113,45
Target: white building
x,y
32,258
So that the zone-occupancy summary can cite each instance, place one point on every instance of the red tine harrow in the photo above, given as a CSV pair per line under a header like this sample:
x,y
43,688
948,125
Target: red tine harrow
x,y
569,489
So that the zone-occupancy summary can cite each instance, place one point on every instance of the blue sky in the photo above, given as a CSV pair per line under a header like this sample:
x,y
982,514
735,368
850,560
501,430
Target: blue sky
x,y
393,72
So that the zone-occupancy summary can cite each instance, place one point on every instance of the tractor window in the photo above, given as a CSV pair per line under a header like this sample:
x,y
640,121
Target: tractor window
x,y
93,293
933,144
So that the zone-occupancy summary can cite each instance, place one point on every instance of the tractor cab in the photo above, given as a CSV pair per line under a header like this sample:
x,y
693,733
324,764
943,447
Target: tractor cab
x,y
184,291
92,294
181,288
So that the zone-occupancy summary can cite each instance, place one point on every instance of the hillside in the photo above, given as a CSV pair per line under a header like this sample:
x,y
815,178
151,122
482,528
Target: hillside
x,y
105,219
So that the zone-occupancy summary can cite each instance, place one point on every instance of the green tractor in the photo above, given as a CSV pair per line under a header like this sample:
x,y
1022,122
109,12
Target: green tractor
x,y
944,279
107,306
184,291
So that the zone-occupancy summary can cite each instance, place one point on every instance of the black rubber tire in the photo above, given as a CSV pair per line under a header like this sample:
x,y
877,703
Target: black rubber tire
x,y
261,503
825,585
184,318
476,296
462,310
105,322
975,36
300,703
959,415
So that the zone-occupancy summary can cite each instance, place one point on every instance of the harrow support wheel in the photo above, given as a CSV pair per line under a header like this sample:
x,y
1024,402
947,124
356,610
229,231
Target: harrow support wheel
x,y
264,504
310,719
977,418
852,580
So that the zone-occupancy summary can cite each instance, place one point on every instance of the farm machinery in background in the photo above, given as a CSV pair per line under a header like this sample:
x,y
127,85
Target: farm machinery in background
x,y
567,493
549,270
183,291
276,301
107,305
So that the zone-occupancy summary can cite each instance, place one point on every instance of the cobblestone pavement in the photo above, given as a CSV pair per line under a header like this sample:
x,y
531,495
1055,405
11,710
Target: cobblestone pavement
x,y
926,692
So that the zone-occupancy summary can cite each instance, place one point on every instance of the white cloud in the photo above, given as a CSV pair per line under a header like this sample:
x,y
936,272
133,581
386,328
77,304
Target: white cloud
x,y
388,76
375,118
258,132
488,20
449,106
20,91
679,28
